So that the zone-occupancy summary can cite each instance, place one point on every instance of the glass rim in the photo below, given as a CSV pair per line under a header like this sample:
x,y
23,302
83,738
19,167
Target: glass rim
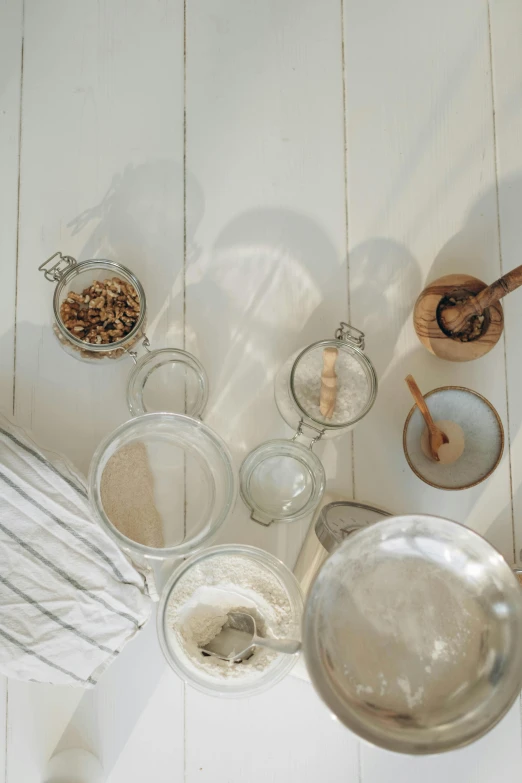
x,y
188,545
366,363
148,358
83,266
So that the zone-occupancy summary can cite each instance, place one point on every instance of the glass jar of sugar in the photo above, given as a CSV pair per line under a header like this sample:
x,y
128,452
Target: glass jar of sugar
x,y
322,390
298,385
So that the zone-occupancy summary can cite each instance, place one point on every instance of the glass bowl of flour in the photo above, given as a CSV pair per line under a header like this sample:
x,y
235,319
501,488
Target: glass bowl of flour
x,y
194,606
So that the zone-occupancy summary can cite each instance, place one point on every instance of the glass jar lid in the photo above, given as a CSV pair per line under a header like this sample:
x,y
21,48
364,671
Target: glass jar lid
x,y
281,481
167,379
356,384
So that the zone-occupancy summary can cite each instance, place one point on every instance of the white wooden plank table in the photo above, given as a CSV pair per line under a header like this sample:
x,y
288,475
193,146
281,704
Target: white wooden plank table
x,y
268,169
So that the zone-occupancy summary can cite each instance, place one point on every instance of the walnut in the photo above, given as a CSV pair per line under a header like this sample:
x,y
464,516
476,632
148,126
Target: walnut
x,y
103,313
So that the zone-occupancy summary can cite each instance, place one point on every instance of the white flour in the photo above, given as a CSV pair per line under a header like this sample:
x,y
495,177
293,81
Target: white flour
x,y
198,607
405,632
353,389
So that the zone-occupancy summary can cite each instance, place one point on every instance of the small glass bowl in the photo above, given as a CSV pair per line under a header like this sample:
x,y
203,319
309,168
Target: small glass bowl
x,y
235,687
281,480
194,484
76,278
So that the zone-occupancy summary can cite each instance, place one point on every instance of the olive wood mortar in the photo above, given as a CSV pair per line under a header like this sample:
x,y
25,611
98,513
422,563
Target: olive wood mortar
x,y
484,301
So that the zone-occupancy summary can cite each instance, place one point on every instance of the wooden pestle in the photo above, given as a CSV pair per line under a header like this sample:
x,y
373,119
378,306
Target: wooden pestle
x,y
454,318
328,383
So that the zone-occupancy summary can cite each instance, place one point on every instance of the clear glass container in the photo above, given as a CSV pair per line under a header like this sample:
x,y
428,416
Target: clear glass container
x,y
282,480
175,653
73,277
194,487
298,384
167,379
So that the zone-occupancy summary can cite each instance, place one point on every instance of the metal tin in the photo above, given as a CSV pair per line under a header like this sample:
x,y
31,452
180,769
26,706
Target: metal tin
x,y
338,520
335,522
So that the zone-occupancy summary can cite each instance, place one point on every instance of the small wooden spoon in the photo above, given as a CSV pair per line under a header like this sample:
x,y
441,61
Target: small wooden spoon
x,y
455,318
437,437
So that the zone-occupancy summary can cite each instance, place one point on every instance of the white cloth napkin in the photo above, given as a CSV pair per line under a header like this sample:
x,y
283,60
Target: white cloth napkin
x,y
69,598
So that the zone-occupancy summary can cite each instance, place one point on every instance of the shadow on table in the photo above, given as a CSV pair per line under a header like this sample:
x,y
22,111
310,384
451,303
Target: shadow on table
x,y
272,283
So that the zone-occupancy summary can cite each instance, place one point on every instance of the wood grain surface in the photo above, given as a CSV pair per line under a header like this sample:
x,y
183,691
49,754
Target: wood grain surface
x,y
268,169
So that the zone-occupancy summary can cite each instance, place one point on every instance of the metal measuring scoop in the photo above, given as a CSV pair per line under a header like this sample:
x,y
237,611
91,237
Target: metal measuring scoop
x,y
238,637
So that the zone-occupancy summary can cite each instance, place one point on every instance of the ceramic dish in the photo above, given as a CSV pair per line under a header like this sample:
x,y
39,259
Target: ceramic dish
x,y
483,432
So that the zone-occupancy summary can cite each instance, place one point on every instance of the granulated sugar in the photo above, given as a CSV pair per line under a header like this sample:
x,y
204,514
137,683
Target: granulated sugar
x,y
127,494
199,603
353,389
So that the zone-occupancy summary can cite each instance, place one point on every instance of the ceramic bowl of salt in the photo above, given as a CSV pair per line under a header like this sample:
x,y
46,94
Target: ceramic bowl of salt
x,y
483,438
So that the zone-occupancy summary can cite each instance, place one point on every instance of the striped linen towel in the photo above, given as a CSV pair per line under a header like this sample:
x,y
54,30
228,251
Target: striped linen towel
x,y
69,598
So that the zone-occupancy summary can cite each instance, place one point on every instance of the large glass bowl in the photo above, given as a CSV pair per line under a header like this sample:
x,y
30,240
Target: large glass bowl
x,y
194,484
